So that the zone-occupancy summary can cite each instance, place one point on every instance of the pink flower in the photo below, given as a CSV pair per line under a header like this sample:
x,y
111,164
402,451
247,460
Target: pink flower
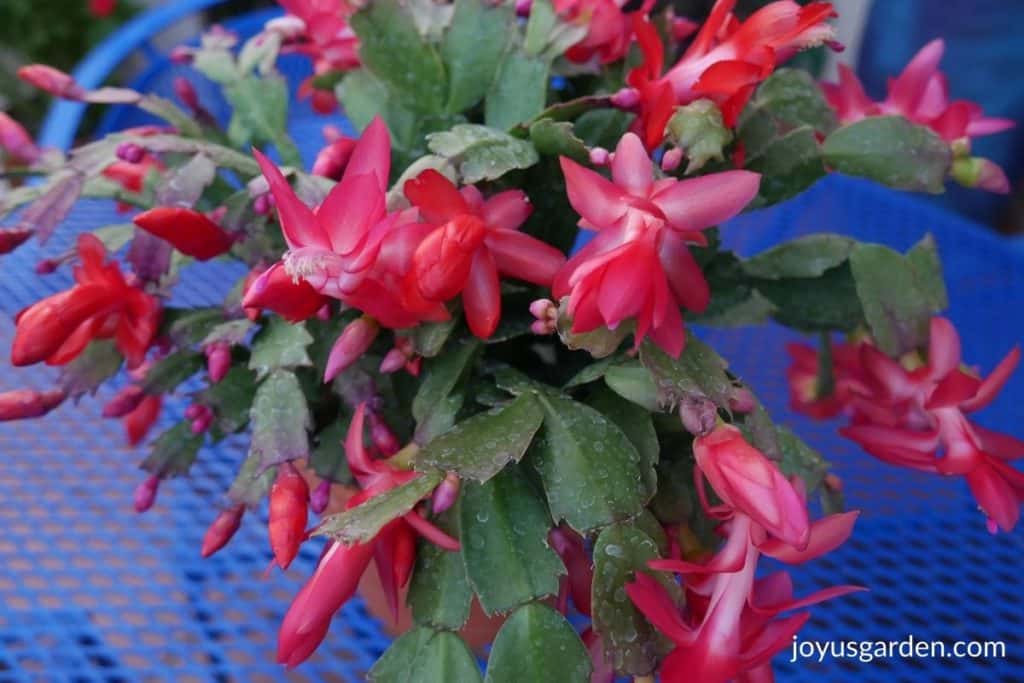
x,y
921,94
725,61
350,247
918,418
639,267
335,580
471,244
730,631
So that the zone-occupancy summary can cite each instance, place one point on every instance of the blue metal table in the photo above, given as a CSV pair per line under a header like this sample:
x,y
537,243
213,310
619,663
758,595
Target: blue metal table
x,y
90,591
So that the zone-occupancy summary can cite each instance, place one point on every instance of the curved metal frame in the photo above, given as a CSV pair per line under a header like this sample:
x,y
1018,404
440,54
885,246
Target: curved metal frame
x,y
63,118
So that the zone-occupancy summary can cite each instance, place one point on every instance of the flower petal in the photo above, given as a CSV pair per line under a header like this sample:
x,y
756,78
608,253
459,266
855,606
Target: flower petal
x,y
700,203
632,169
599,201
298,223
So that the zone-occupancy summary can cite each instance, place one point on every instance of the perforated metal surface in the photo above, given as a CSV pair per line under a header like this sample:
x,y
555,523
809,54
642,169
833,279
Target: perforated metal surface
x,y
89,591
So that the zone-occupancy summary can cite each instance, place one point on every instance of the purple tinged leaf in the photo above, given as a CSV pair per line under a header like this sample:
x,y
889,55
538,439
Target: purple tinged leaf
x,y
149,256
49,210
184,185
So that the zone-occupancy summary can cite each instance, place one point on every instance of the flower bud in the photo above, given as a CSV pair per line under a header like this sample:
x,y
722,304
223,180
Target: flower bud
x,y
221,530
145,493
626,99
384,440
186,93
263,204
141,419
671,159
25,403
523,7
446,493
16,141
394,360
320,497
12,238
599,156
741,400
130,152
124,401
699,415
190,232
352,343
47,266
218,360
289,500
52,81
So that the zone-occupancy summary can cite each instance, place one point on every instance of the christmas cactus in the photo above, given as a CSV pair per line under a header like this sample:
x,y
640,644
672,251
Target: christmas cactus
x,y
469,337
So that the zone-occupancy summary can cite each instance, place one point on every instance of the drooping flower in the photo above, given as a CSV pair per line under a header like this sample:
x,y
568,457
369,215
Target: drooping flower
x,y
189,231
472,244
337,575
725,61
639,266
921,94
918,418
352,343
730,630
275,290
101,305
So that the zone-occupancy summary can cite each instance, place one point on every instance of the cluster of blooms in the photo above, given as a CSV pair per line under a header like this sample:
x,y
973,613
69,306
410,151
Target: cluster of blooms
x,y
921,94
913,412
729,631
432,249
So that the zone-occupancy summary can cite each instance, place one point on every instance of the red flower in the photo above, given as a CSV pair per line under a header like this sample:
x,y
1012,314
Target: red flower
x,y
102,305
609,30
102,8
275,290
725,61
189,231
804,394
917,418
475,241
335,580
639,267
921,94
730,631
222,529
350,248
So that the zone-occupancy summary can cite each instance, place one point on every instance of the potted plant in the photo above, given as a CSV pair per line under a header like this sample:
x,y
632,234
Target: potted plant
x,y
488,411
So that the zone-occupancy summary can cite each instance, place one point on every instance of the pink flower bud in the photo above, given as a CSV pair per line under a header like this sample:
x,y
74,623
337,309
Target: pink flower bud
x,y
626,99
47,266
12,238
222,529
193,411
698,415
394,360
16,141
353,342
52,81
523,7
833,482
324,313
384,440
25,403
145,493
181,55
130,152
263,204
186,93
202,423
321,497
599,156
124,401
742,400
446,493
218,360
671,159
